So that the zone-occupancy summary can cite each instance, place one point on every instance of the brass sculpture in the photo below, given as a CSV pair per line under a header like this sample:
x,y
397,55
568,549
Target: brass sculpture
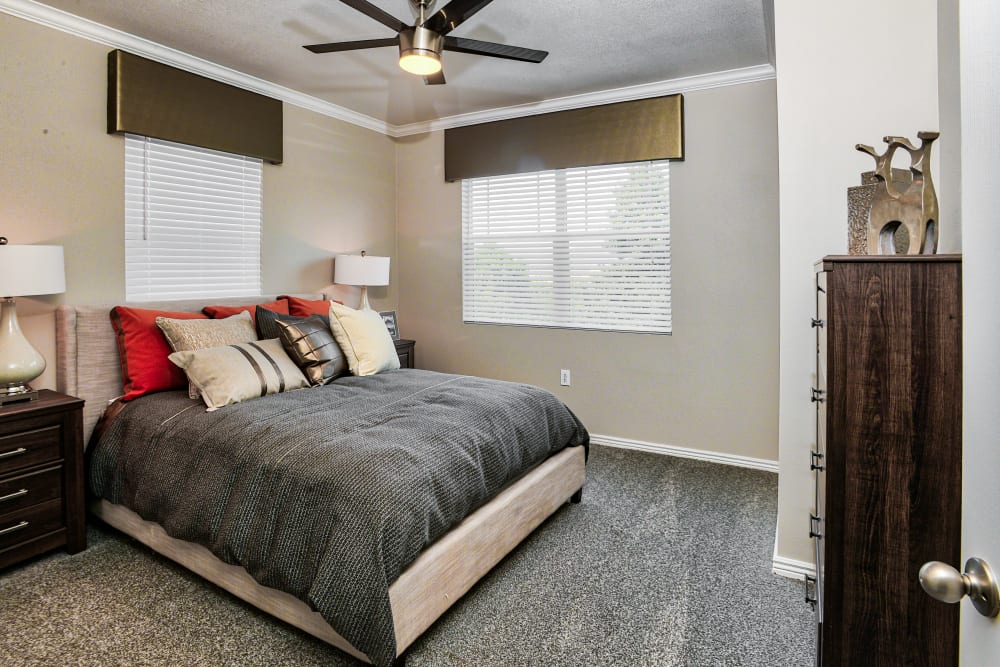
x,y
897,205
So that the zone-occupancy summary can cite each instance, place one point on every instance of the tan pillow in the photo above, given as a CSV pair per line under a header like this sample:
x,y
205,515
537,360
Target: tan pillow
x,y
364,339
233,373
238,328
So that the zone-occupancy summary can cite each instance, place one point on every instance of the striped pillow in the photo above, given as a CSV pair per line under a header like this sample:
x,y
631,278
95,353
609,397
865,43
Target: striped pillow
x,y
233,373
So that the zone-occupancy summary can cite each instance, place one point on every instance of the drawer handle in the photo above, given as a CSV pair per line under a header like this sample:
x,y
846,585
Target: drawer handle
x,y
814,526
817,395
16,494
19,526
13,452
815,461
817,323
810,583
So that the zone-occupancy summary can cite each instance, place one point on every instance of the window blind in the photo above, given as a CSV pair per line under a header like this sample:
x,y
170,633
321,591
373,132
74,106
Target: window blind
x,y
586,248
192,222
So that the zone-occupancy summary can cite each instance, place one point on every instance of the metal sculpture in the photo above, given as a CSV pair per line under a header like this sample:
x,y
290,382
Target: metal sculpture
x,y
912,206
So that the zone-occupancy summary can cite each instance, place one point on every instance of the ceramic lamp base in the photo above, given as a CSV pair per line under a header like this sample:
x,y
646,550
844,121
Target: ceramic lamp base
x,y
20,363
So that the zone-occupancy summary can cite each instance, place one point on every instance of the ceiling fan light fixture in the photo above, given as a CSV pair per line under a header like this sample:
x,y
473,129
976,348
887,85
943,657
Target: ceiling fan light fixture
x,y
420,51
421,63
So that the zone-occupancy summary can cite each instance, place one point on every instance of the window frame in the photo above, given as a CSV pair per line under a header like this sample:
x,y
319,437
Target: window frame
x,y
193,222
600,206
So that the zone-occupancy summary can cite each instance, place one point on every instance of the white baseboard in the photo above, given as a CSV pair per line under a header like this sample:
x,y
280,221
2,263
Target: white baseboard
x,y
766,465
793,569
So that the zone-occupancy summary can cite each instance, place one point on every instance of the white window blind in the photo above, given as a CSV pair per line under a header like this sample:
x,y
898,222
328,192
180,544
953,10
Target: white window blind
x,y
192,221
581,248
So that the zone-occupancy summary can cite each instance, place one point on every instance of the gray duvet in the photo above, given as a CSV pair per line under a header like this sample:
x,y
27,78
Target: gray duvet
x,y
329,493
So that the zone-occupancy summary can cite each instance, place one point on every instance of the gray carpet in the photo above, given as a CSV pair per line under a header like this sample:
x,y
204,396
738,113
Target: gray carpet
x,y
666,562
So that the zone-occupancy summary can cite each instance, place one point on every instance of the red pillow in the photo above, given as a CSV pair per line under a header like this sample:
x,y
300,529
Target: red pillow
x,y
143,351
306,307
220,312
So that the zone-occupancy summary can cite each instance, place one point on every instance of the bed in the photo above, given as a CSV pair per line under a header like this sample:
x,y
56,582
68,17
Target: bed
x,y
499,511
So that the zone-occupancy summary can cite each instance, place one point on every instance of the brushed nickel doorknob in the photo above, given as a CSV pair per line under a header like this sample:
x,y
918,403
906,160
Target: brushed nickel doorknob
x,y
943,582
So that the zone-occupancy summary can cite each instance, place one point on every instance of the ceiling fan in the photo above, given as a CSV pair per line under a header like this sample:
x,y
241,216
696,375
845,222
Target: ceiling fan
x,y
420,45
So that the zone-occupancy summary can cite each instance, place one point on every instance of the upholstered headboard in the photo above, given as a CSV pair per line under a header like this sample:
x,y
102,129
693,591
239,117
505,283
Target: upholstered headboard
x,y
87,363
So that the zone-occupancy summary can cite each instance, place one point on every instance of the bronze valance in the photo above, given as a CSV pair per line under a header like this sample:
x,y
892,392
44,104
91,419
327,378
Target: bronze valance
x,y
649,129
156,100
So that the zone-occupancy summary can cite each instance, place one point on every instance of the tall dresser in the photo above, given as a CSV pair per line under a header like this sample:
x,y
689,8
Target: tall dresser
x,y
888,455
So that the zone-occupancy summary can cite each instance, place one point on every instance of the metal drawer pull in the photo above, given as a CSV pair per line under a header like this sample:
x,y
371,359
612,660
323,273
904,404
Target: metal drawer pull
x,y
23,524
810,599
13,452
814,523
817,323
817,395
815,461
16,494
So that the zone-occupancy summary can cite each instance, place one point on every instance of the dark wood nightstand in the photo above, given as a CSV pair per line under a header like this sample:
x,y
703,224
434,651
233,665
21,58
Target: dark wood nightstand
x,y
41,477
404,348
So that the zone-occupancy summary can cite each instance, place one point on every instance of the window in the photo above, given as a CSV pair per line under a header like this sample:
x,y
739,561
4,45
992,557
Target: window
x,y
585,248
192,222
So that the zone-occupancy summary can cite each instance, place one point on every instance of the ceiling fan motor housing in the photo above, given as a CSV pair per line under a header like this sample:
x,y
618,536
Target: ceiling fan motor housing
x,y
420,41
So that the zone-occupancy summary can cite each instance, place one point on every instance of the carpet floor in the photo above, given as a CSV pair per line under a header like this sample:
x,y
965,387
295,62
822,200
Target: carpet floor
x,y
666,562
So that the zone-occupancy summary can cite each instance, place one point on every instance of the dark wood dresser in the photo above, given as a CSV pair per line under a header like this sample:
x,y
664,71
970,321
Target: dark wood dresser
x,y
41,477
888,456
404,349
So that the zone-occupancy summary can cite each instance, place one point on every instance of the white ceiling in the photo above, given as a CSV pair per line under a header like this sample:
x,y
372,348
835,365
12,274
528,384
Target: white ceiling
x,y
594,46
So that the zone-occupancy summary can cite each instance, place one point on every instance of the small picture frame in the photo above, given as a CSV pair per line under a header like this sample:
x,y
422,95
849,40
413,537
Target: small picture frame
x,y
389,317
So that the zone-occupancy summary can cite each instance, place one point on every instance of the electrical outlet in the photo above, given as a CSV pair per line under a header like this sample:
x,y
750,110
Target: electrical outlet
x,y
564,377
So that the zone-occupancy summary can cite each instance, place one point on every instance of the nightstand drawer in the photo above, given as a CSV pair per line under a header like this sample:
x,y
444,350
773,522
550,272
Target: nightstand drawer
x,y
17,527
26,490
404,350
30,447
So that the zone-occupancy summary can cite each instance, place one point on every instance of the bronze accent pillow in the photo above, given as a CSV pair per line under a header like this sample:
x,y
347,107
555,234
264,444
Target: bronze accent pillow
x,y
267,322
311,346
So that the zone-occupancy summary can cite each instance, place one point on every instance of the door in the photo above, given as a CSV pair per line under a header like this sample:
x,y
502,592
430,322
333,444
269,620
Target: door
x,y
980,65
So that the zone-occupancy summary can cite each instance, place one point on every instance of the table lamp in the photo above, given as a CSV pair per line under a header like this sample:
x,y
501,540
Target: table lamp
x,y
361,270
25,270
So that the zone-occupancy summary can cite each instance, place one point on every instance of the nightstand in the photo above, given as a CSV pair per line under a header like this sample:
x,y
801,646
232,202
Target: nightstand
x,y
41,477
404,349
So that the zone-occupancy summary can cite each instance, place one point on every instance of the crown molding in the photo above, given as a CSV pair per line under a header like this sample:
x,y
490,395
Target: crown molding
x,y
87,29
102,34
656,89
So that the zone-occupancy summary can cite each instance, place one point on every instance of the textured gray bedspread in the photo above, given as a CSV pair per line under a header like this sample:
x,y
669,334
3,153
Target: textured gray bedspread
x,y
329,493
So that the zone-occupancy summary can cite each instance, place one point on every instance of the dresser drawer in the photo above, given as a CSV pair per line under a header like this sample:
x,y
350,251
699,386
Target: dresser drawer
x,y
22,491
29,447
30,522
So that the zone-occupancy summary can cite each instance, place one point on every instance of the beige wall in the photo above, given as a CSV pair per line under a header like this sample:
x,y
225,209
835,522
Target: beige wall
x,y
61,182
832,94
713,384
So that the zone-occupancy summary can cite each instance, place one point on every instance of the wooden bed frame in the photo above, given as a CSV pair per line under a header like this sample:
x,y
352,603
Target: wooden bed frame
x,y
88,367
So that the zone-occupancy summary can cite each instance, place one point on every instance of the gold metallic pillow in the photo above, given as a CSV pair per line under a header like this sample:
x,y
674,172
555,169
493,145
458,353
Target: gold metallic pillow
x,y
311,346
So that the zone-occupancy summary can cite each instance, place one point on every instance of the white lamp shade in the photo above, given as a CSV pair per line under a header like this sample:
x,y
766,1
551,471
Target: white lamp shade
x,y
361,270
27,270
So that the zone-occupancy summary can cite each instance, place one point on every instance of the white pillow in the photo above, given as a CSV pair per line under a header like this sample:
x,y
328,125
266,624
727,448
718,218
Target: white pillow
x,y
364,339
233,373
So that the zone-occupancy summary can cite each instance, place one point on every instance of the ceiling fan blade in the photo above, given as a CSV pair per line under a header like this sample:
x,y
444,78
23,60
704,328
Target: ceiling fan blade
x,y
453,15
476,47
370,10
353,46
435,79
